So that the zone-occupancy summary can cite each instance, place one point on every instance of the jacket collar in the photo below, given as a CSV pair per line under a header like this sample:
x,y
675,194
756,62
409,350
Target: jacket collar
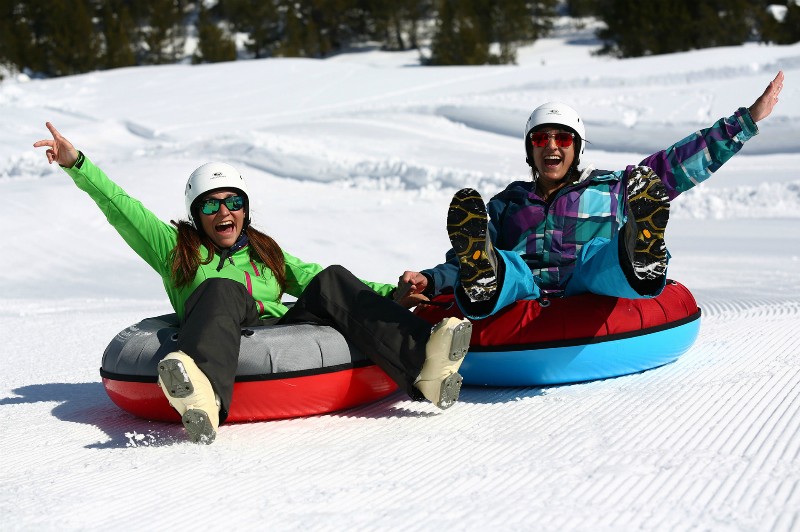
x,y
226,253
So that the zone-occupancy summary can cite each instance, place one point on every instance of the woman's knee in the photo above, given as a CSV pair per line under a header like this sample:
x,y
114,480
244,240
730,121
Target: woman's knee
x,y
219,290
335,270
335,273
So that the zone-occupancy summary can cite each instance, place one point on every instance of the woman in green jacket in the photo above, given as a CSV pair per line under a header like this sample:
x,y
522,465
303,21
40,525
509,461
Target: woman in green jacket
x,y
221,274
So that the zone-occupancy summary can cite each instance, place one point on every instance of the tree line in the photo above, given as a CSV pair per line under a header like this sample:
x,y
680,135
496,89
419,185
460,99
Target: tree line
x,y
63,37
635,28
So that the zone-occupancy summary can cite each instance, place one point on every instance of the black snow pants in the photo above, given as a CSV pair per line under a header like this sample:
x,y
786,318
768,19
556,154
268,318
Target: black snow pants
x,y
387,333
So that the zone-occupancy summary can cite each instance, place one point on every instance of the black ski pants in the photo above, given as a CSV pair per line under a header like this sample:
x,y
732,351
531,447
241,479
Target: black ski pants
x,y
387,333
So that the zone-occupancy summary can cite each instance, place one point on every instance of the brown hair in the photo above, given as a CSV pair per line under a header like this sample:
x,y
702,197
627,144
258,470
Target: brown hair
x,y
185,256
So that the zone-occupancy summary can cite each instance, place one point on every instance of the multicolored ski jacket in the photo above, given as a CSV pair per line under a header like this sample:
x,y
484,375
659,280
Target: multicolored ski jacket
x,y
153,240
549,236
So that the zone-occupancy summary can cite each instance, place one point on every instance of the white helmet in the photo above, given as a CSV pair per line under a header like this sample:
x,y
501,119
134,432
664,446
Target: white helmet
x,y
210,177
555,113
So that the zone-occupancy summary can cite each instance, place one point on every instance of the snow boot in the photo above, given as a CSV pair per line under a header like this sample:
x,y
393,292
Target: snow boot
x,y
467,227
439,380
648,208
189,391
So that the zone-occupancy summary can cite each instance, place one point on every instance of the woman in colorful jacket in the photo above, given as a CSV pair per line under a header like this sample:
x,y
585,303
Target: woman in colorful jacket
x,y
568,231
222,274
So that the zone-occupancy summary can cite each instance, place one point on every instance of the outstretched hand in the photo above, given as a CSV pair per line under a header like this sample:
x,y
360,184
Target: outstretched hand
x,y
409,289
766,102
59,150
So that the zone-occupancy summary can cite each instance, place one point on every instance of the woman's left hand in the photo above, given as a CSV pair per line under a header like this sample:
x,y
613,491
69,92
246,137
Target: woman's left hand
x,y
409,289
60,150
766,102
412,300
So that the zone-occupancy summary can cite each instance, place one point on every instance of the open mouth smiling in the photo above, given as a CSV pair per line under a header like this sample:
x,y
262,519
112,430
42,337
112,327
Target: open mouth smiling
x,y
224,227
552,160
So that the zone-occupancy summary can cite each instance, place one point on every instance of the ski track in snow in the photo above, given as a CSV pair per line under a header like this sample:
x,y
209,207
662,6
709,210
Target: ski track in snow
x,y
711,436
756,308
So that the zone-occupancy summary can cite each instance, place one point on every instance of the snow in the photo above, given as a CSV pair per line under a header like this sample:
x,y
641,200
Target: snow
x,y
353,160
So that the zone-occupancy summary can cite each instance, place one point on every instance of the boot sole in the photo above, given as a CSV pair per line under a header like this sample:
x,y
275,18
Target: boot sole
x,y
649,206
450,390
451,386
466,227
462,335
175,379
459,343
198,426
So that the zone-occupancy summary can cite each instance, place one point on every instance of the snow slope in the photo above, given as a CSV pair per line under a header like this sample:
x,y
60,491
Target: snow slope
x,y
353,160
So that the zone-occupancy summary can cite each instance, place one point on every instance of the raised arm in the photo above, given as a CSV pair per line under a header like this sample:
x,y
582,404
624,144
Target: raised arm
x,y
151,239
695,158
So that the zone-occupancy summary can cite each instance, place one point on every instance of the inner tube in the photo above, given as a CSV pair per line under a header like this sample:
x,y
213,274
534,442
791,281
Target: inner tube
x,y
574,339
284,371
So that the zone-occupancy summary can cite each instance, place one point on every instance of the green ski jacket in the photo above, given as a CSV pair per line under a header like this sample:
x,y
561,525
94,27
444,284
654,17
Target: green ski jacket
x,y
153,240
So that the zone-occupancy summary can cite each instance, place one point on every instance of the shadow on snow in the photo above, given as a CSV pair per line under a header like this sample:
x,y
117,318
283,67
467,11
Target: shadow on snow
x,y
86,403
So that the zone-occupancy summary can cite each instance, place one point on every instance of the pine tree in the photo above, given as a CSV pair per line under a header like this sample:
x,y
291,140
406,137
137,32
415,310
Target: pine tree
x,y
387,20
316,31
8,42
259,20
213,45
583,8
402,20
24,42
292,41
71,43
665,26
466,29
315,28
118,33
719,23
162,32
787,29
333,25
629,28
516,22
460,37
791,24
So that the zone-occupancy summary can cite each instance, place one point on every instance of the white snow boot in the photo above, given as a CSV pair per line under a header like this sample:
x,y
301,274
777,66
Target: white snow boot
x,y
439,380
189,392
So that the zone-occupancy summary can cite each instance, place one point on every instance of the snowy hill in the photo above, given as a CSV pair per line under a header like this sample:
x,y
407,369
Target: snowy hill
x,y
353,160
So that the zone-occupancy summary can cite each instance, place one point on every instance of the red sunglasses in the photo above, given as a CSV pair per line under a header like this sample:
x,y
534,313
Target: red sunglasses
x,y
540,139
